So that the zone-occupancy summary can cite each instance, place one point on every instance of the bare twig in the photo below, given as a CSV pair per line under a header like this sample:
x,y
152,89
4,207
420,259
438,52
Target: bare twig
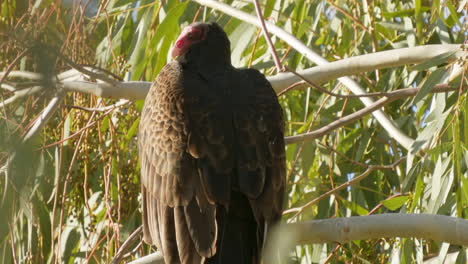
x,y
13,63
318,87
67,180
291,87
83,69
370,168
339,122
100,109
341,10
123,249
390,97
355,162
276,59
80,131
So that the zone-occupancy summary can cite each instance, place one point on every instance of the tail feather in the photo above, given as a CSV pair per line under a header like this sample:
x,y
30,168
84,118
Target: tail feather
x,y
238,241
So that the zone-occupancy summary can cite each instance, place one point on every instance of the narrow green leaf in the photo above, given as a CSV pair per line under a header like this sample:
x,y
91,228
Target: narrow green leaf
x,y
436,177
105,124
133,129
437,60
395,203
241,38
67,126
418,18
464,179
137,58
44,223
405,12
71,239
430,82
409,30
269,5
166,33
417,194
461,258
364,141
354,207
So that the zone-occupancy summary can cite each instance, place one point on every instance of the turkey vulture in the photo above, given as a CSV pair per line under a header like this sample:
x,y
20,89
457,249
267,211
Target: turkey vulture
x,y
212,154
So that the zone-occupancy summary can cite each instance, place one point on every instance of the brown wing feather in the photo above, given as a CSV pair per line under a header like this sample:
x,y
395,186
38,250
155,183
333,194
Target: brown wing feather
x,y
261,149
211,137
237,134
173,203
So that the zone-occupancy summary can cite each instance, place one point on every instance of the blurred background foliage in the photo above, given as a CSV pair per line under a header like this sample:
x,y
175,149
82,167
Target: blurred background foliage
x,y
72,193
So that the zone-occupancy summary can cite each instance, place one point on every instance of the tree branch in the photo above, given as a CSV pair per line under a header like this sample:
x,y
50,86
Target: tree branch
x,y
125,90
22,74
364,63
20,94
120,103
390,97
356,179
155,258
427,226
44,117
277,61
123,249
319,74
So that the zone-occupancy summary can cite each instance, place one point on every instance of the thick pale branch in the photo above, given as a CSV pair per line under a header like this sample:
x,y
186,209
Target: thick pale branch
x,y
44,117
364,63
73,80
427,226
22,75
318,74
20,94
127,90
155,258
39,123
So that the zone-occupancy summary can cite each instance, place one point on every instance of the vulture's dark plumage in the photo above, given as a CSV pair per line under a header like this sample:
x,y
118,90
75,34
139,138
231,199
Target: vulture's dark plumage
x,y
212,154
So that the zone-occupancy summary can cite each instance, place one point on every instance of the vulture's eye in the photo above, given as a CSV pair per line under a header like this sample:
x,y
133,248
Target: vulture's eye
x,y
190,36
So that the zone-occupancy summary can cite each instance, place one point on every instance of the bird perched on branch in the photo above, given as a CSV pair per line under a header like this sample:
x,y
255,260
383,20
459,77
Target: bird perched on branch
x,y
212,154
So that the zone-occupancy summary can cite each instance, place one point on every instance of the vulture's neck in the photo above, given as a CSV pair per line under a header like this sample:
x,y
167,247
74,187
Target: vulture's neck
x,y
207,61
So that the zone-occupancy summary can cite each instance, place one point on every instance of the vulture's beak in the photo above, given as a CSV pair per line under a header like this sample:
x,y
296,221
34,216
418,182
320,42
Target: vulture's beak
x,y
175,52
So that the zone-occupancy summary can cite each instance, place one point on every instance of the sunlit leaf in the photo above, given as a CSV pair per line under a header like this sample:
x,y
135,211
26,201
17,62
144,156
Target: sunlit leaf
x,y
395,203
436,61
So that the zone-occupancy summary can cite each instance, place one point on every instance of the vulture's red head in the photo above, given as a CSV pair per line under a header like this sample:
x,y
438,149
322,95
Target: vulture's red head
x,y
192,34
202,42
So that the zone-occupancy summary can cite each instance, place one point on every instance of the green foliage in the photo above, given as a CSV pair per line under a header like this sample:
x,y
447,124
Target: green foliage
x,y
72,194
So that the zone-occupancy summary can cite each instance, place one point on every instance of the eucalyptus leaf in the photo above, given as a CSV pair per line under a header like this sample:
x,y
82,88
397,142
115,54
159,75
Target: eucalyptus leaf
x,y
433,79
395,203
